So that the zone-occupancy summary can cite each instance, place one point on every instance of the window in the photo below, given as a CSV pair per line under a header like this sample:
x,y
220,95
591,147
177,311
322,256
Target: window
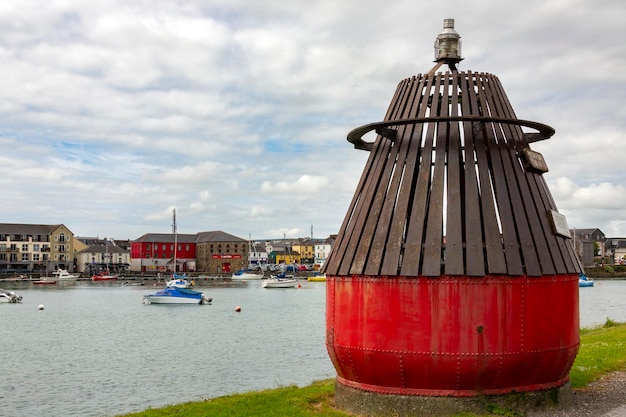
x,y
25,257
24,247
35,257
36,247
61,248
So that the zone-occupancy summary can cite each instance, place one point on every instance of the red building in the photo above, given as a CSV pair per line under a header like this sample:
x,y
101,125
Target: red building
x,y
155,252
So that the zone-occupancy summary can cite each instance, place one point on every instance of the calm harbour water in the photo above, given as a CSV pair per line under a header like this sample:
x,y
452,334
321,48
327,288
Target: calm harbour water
x,y
96,350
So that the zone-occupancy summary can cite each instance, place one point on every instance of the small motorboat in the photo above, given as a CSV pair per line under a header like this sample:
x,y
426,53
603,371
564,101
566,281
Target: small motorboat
x,y
583,281
62,274
246,276
9,297
132,284
179,282
105,276
280,281
175,295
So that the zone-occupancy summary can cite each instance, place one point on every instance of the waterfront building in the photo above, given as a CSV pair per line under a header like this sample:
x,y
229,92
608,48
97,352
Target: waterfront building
x,y
258,254
35,247
588,243
322,250
616,248
102,255
306,248
154,253
220,252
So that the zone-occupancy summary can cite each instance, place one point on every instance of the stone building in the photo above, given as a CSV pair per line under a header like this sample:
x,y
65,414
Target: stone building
x,y
220,252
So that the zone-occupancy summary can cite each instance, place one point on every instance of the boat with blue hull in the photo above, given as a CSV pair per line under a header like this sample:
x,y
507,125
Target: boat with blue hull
x,y
583,281
175,295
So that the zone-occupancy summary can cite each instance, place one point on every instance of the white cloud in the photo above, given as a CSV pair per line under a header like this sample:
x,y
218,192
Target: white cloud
x,y
306,184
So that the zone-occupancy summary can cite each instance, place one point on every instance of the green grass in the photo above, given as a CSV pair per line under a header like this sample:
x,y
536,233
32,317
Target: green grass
x,y
313,400
602,350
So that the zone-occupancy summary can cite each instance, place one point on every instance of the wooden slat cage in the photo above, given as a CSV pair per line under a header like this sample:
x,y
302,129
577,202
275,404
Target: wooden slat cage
x,y
450,189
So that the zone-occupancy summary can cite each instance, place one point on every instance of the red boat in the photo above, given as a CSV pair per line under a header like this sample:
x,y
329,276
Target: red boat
x,y
105,276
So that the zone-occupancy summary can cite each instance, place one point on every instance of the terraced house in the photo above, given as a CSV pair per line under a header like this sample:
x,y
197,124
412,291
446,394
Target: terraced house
x,y
35,247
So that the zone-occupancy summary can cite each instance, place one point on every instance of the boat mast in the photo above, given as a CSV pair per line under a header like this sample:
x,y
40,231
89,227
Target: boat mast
x,y
175,239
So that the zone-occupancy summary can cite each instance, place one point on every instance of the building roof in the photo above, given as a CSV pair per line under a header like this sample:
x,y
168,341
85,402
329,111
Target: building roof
x,y
28,229
103,249
166,237
202,237
217,236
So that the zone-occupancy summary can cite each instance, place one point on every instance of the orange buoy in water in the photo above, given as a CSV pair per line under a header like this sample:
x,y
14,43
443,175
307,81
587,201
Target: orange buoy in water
x,y
237,309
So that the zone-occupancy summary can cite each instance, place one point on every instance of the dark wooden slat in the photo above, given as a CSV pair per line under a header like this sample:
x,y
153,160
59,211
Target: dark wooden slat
x,y
543,209
530,220
474,253
572,262
374,195
346,250
454,261
416,222
496,258
434,218
526,242
335,257
383,247
503,200
353,229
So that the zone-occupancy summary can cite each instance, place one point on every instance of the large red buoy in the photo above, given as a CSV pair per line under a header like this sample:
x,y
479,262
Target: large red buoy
x,y
453,273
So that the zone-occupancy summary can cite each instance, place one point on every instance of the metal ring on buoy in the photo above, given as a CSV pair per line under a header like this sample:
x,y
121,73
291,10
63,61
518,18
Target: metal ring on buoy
x,y
382,128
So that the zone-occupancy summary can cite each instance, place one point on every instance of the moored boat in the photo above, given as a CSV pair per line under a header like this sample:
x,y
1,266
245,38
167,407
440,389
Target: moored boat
x,y
583,281
105,276
63,275
246,276
280,281
179,281
9,297
174,295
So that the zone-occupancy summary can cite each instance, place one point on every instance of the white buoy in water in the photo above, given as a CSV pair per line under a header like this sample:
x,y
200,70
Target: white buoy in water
x,y
40,307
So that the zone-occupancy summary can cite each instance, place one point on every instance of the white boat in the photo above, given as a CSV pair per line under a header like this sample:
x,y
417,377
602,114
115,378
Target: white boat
x,y
63,275
280,281
246,276
179,282
583,281
9,297
173,295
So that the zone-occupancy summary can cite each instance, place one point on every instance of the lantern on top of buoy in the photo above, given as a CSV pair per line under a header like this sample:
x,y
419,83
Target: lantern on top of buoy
x,y
453,274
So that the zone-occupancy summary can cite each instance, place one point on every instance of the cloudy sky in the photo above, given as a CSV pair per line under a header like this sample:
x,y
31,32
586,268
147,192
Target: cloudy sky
x,y
235,112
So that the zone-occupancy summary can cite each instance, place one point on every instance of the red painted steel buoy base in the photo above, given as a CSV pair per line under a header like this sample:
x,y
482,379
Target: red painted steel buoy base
x,y
452,336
